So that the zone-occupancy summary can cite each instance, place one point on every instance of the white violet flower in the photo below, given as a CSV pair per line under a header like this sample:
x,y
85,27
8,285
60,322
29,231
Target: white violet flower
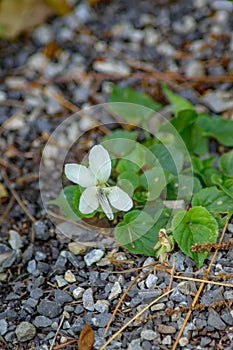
x,y
93,179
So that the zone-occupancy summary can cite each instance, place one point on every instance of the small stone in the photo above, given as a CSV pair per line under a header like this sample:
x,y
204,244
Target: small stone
x,y
212,296
228,295
49,308
152,37
31,268
149,334
43,34
78,292
15,240
184,287
219,101
151,281
69,276
62,297
77,248
186,25
158,307
167,340
42,322
3,96
230,228
3,327
115,291
135,345
178,296
162,328
41,231
16,82
205,341
111,67
183,341
194,68
93,256
102,306
37,62
101,320
88,302
166,49
25,331
60,281
214,320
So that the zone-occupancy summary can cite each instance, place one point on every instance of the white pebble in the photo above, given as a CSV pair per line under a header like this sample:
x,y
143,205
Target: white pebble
x,y
78,292
70,277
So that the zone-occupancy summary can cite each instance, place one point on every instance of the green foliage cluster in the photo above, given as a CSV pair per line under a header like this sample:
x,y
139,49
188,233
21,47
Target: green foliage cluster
x,y
158,170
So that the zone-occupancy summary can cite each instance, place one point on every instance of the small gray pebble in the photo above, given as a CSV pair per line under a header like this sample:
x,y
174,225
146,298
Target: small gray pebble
x,y
101,320
214,320
42,322
49,308
31,268
3,327
88,302
41,230
93,256
25,331
36,293
62,297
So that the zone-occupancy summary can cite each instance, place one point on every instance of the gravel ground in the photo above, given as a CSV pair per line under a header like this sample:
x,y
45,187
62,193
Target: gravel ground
x,y
50,286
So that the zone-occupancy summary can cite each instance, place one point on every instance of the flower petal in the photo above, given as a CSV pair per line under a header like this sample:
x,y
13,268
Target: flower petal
x,y
80,174
104,203
88,200
119,199
100,163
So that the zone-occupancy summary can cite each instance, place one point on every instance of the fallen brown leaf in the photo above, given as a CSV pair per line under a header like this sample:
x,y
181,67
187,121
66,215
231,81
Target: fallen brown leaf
x,y
3,192
86,338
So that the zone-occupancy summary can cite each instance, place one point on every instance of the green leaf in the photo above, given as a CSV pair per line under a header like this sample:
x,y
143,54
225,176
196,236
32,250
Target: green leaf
x,y
131,177
220,129
226,163
224,184
195,226
214,200
65,202
127,165
154,180
169,157
138,232
194,139
136,108
178,103
120,142
183,187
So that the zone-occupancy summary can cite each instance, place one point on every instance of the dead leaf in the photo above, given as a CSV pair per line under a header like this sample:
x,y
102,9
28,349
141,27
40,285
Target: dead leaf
x,y
61,7
3,192
19,16
86,338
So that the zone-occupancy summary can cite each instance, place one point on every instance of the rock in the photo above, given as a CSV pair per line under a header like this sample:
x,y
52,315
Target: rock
x,y
115,291
77,248
60,281
102,306
3,96
177,296
31,267
62,297
88,302
158,307
184,287
214,320
78,292
152,37
149,334
205,341
42,322
38,62
43,34
3,327
166,49
69,276
151,281
186,25
41,231
162,328
135,345
219,101
49,308
25,331
167,340
148,295
228,295
93,256
194,69
111,67
183,341
221,5
101,320
212,296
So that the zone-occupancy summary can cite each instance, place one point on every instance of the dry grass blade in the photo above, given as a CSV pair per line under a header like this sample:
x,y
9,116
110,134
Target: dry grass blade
x,y
199,290
86,338
17,198
134,318
119,303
